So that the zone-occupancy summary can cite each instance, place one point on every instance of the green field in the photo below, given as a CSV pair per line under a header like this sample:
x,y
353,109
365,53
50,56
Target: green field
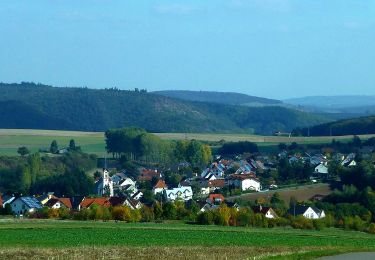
x,y
40,238
93,142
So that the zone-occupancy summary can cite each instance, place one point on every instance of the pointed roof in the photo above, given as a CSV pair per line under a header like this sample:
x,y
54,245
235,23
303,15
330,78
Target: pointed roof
x,y
160,185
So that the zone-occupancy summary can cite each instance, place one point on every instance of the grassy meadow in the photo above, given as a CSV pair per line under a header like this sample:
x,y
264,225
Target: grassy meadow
x,y
93,142
101,240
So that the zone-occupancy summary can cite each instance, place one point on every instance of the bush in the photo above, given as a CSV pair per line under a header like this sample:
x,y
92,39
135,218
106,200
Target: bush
x,y
147,214
301,222
319,224
259,220
121,213
244,217
282,222
205,218
371,228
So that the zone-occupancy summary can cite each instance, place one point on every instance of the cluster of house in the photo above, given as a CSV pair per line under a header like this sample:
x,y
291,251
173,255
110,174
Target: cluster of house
x,y
120,189
29,204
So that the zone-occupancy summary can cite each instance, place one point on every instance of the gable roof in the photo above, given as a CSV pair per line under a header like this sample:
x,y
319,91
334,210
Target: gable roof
x,y
160,185
243,177
216,197
147,175
51,202
301,209
219,183
76,201
88,202
117,201
66,201
31,202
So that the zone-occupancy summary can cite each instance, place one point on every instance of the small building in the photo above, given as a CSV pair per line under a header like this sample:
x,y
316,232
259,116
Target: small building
x,y
215,198
159,187
268,212
244,182
88,202
182,193
57,203
24,205
125,201
43,199
148,174
306,211
321,169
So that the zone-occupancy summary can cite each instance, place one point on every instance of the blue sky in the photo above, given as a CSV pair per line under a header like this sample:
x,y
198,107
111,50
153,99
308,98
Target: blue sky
x,y
270,48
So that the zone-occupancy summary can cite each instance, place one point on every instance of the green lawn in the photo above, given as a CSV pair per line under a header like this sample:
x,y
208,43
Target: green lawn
x,y
93,142
232,242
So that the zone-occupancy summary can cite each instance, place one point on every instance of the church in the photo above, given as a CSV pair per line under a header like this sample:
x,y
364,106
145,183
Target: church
x,y
104,186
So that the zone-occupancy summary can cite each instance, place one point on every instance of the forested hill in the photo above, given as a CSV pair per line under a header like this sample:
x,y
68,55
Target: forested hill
x,y
354,126
28,105
229,98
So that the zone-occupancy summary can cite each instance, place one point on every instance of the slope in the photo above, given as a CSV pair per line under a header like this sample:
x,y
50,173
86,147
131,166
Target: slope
x,y
99,109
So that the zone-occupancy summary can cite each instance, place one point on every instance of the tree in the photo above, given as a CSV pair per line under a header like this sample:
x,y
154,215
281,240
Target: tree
x,y
72,145
54,147
23,151
169,210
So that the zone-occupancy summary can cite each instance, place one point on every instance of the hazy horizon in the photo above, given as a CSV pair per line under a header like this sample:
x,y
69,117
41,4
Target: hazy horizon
x,y
268,48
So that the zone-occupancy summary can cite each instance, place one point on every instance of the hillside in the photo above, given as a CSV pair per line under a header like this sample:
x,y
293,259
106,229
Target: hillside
x,y
229,98
28,105
354,126
335,104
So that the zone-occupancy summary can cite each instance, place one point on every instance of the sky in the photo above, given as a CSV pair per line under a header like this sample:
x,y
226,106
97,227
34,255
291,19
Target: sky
x,y
270,48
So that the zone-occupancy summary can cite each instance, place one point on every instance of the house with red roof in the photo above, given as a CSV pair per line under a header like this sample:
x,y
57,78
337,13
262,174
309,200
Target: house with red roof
x,y
88,202
215,199
159,187
148,174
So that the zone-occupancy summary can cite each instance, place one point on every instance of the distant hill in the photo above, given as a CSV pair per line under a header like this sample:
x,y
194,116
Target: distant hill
x,y
353,126
335,104
229,98
38,106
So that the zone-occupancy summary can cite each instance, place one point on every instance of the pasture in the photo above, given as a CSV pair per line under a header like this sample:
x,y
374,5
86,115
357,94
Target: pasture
x,y
93,142
300,192
110,240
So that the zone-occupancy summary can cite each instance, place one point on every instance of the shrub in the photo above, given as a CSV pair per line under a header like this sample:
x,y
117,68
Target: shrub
x,y
205,218
371,228
319,224
301,222
147,214
244,217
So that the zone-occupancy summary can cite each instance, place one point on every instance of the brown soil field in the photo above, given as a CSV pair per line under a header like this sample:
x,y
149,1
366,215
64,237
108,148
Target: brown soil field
x,y
302,193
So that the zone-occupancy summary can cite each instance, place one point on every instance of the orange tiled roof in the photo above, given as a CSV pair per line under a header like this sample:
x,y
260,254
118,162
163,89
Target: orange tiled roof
x,y
66,202
160,185
88,202
213,197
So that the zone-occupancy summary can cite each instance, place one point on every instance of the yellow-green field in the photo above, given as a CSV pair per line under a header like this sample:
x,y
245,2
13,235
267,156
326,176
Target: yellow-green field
x,y
50,239
93,142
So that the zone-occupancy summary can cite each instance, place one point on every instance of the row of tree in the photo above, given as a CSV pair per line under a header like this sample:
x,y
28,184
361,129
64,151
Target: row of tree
x,y
138,145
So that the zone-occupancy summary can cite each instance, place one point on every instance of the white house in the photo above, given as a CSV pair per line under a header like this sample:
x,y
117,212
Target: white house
x,y
307,212
268,212
321,169
159,187
244,182
183,193
24,205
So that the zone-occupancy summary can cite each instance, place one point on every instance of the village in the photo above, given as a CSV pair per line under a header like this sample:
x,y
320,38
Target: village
x,y
208,188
